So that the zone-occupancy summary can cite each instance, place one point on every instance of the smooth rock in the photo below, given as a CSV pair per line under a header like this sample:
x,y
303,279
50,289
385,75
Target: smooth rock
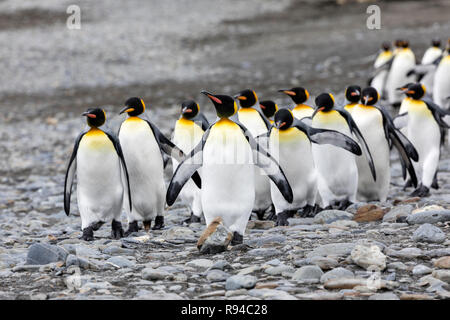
x,y
420,270
429,217
428,233
276,239
332,249
200,263
370,212
398,213
240,282
369,258
264,252
278,270
336,274
308,273
442,263
216,275
271,294
42,253
443,275
329,216
175,233
120,262
258,224
155,274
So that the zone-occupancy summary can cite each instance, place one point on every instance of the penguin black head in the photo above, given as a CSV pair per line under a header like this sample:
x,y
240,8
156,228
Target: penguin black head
x,y
247,98
398,43
386,46
134,107
268,107
405,44
283,119
369,96
353,93
415,90
324,102
225,105
96,117
189,109
436,42
298,94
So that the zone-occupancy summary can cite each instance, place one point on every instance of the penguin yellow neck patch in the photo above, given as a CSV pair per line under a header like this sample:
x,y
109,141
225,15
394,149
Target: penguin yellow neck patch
x,y
288,135
96,139
328,117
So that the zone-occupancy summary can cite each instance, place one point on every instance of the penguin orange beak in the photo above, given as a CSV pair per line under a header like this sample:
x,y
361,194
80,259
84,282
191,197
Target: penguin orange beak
x,y
240,97
317,110
366,99
356,93
262,107
126,109
279,124
212,97
187,110
90,115
288,92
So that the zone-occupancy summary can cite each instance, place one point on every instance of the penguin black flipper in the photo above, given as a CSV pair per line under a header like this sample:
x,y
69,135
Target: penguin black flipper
x,y
405,148
438,112
171,149
265,161
266,121
355,130
202,120
118,148
70,173
185,170
325,136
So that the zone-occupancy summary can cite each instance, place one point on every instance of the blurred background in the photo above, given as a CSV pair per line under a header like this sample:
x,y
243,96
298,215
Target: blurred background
x,y
165,52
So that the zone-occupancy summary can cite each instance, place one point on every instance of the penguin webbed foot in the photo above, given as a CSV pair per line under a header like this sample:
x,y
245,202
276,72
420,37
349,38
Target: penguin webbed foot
x,y
282,218
193,219
88,234
132,227
435,184
308,211
344,204
237,239
272,216
421,192
116,230
159,223
407,184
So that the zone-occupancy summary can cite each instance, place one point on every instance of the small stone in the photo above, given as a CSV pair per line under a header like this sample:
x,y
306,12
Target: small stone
x,y
370,212
176,233
420,270
120,262
407,253
336,274
407,200
308,273
72,260
258,224
216,275
428,233
278,270
332,249
369,258
414,296
155,274
221,265
329,216
398,266
215,238
429,217
275,239
271,294
398,213
200,263
432,207
240,282
264,252
442,263
443,275
42,253
384,296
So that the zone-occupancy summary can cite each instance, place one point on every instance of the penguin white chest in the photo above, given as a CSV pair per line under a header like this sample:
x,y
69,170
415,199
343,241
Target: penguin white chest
x,y
227,176
99,189
251,119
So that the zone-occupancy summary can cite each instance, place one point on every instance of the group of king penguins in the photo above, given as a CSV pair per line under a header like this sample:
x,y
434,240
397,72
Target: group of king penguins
x,y
255,157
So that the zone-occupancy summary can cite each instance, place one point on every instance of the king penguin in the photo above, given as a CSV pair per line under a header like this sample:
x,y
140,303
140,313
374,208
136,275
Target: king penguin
x,y
353,95
188,132
441,83
290,144
299,95
378,81
253,119
268,108
403,61
142,145
379,132
424,120
102,177
227,154
338,173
